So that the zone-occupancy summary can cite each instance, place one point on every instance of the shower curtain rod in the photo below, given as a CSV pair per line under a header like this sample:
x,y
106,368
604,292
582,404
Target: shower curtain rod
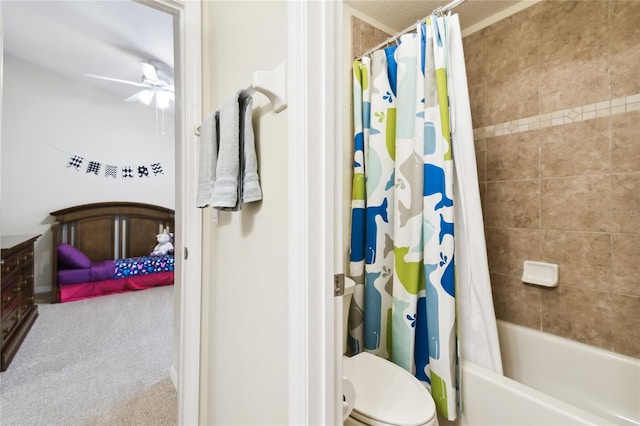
x,y
440,10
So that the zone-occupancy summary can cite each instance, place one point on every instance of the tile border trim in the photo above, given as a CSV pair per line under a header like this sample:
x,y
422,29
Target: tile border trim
x,y
564,116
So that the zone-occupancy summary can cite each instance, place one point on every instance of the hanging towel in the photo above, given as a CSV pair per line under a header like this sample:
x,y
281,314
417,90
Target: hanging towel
x,y
225,189
236,176
208,156
250,181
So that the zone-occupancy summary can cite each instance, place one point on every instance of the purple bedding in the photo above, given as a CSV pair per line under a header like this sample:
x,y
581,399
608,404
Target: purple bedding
x,y
116,269
98,271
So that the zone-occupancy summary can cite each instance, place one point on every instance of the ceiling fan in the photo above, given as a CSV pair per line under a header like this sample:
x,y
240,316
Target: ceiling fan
x,y
154,86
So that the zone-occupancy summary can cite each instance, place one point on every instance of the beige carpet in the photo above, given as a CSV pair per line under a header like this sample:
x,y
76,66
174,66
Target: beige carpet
x,y
156,405
101,361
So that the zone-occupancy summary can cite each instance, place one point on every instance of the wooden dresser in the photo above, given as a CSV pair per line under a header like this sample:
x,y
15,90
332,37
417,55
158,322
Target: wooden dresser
x,y
18,310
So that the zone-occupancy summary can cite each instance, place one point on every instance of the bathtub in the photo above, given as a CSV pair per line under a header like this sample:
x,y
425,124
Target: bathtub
x,y
550,381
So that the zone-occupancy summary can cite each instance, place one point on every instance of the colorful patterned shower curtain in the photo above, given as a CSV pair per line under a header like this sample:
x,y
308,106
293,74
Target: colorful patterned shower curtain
x,y
402,253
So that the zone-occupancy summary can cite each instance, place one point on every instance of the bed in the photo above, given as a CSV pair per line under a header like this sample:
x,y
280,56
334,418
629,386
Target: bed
x,y
105,248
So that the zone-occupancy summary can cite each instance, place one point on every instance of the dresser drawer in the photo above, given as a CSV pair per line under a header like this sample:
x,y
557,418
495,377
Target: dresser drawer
x,y
11,295
26,303
26,285
19,261
25,257
10,323
10,269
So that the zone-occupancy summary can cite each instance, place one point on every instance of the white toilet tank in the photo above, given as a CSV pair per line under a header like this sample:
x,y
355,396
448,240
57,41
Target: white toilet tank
x,y
349,287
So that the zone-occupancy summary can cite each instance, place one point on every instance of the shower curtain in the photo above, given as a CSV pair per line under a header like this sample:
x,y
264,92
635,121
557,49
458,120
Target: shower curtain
x,y
418,252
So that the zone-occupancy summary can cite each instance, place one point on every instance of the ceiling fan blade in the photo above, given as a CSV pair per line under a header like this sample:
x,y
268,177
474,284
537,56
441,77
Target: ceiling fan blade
x,y
170,88
117,80
150,72
144,96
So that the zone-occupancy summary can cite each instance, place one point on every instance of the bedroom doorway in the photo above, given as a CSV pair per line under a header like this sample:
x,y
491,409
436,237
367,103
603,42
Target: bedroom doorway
x,y
186,27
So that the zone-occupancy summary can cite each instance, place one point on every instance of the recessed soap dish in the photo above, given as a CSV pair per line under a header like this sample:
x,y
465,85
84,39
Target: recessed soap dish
x,y
540,273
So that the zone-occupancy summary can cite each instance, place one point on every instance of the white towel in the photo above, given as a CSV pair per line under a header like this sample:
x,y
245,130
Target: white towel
x,y
250,181
225,189
208,156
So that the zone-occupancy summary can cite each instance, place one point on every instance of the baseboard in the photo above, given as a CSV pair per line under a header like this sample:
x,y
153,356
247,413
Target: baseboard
x,y
173,374
38,290
44,297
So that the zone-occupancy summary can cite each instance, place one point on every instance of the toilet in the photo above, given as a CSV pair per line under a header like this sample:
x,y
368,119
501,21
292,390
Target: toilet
x,y
378,392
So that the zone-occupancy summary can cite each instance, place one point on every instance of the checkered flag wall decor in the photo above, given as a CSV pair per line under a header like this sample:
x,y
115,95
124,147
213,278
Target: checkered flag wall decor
x,y
157,169
75,162
111,170
143,171
93,167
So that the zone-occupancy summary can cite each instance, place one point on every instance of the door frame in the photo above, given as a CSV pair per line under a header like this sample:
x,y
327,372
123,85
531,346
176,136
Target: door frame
x,y
185,371
315,128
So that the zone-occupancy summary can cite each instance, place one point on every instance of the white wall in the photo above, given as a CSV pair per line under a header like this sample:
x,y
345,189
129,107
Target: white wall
x,y
244,346
47,118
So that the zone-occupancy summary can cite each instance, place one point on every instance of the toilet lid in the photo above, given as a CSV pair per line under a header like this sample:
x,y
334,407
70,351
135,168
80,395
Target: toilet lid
x,y
386,392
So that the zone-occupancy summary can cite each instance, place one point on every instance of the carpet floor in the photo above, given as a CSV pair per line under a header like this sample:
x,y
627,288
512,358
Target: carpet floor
x,y
100,361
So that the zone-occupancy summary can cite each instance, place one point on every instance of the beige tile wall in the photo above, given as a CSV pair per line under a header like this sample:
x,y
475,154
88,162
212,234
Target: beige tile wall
x,y
555,97
555,100
364,36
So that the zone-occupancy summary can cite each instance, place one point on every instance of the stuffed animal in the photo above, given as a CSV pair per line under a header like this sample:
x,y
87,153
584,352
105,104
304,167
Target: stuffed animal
x,y
164,245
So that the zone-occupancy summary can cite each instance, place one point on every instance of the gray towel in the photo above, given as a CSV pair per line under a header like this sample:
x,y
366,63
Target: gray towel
x,y
250,181
208,156
237,178
225,189
228,164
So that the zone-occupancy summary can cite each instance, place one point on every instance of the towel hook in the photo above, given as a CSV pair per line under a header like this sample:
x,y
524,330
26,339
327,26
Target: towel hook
x,y
272,84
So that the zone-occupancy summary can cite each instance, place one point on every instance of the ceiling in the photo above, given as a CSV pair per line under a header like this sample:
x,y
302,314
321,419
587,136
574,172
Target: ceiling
x,y
111,37
401,14
73,38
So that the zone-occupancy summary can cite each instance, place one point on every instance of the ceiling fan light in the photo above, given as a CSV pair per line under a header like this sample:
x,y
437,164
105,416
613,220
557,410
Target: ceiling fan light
x,y
146,97
162,100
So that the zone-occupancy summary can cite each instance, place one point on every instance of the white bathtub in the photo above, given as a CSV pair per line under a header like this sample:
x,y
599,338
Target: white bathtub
x,y
551,381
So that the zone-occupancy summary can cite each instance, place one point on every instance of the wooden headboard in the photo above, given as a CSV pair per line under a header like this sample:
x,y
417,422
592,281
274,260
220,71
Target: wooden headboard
x,y
110,230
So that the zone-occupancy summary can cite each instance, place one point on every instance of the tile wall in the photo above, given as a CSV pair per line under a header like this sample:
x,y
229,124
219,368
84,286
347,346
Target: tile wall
x,y
364,36
555,95
555,99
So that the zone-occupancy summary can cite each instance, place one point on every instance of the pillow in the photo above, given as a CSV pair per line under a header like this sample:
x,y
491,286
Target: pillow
x,y
73,258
